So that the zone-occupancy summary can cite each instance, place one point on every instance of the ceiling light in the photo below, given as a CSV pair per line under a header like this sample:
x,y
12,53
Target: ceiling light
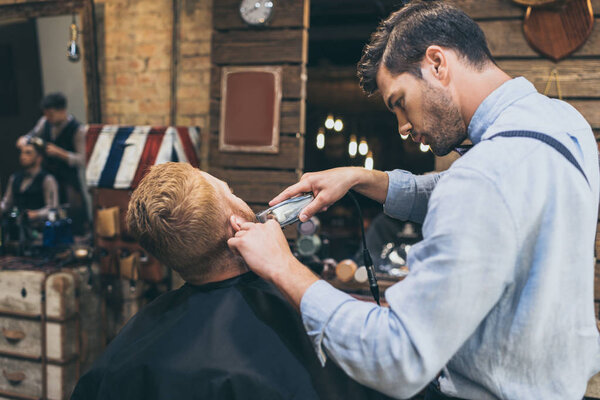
x,y
363,147
338,125
369,161
329,123
352,146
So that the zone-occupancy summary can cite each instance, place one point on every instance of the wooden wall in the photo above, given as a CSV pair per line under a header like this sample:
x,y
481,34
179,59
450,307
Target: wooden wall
x,y
502,23
257,178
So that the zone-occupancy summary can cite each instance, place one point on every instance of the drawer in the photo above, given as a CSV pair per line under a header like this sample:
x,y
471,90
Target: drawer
x,y
23,379
21,292
20,377
21,337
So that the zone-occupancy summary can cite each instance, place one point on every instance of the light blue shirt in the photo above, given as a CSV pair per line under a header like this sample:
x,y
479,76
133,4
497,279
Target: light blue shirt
x,y
500,292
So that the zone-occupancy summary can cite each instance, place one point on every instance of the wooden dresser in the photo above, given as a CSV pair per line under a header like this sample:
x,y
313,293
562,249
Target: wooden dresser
x,y
51,329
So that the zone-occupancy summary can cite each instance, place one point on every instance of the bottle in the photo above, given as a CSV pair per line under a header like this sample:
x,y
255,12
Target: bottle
x,y
50,230
66,234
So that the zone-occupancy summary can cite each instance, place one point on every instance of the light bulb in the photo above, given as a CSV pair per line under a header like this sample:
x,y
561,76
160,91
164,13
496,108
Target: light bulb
x,y
369,161
424,147
352,146
320,140
404,137
338,125
363,147
329,123
73,53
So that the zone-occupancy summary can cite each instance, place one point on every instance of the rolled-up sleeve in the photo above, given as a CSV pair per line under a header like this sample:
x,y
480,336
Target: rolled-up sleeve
x,y
458,273
408,195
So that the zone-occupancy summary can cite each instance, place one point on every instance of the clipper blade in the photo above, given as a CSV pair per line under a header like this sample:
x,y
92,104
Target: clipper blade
x,y
286,212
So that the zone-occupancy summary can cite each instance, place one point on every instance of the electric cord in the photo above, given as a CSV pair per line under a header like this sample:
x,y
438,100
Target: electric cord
x,y
366,255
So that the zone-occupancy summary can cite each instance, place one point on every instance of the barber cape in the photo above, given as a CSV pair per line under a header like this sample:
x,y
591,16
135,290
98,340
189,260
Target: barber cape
x,y
234,339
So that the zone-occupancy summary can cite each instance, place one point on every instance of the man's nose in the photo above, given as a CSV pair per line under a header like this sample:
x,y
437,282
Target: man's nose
x,y
404,129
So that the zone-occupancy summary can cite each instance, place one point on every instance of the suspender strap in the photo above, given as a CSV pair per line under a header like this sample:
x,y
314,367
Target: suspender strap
x,y
549,140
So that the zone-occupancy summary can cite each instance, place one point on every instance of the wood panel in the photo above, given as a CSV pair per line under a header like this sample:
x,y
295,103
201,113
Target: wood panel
x,y
286,14
590,109
260,47
506,39
256,186
46,8
293,82
578,78
287,158
291,120
488,9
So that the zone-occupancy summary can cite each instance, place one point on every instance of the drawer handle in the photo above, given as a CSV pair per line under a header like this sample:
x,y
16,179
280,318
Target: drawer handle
x,y
14,378
12,335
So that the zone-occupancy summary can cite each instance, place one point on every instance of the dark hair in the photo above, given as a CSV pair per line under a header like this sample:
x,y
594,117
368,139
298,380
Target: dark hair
x,y
402,39
57,101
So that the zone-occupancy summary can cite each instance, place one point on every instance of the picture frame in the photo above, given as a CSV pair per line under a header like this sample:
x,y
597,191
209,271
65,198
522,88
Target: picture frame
x,y
250,109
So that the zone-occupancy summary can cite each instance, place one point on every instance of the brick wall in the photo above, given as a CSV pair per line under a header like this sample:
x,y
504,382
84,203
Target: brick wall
x,y
135,53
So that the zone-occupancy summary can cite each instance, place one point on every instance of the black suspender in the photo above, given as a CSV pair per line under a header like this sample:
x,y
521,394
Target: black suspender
x,y
549,140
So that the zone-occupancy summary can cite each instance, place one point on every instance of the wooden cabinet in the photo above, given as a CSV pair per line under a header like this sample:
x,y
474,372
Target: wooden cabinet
x,y
51,328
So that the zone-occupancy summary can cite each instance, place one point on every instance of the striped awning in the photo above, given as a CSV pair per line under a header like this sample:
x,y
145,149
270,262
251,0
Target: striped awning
x,y
119,156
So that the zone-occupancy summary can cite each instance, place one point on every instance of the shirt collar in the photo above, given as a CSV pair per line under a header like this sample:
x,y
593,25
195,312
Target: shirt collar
x,y
497,101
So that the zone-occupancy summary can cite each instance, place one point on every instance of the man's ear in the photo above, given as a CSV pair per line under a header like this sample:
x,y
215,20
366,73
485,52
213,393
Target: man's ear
x,y
435,63
235,222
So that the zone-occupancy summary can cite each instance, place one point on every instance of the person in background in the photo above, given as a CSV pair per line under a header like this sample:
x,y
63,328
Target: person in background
x,y
64,139
32,189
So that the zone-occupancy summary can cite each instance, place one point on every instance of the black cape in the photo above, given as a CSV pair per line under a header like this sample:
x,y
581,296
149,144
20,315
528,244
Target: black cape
x,y
235,339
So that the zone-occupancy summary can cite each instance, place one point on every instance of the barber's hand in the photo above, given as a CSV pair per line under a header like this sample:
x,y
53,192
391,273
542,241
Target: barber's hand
x,y
53,150
263,246
32,214
22,141
267,253
327,186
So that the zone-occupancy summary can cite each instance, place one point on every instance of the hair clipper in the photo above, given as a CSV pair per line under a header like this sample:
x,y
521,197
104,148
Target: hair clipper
x,y
287,211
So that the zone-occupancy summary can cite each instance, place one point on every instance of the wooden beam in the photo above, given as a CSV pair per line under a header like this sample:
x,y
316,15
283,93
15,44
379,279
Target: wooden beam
x,y
288,157
476,9
578,78
506,40
256,186
254,176
90,64
291,120
36,9
292,82
273,46
492,9
287,14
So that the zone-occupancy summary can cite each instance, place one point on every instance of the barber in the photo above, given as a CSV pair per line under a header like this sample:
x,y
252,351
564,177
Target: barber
x,y
64,139
499,300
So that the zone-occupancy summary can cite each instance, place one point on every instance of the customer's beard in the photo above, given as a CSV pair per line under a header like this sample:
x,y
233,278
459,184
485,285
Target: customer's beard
x,y
444,128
